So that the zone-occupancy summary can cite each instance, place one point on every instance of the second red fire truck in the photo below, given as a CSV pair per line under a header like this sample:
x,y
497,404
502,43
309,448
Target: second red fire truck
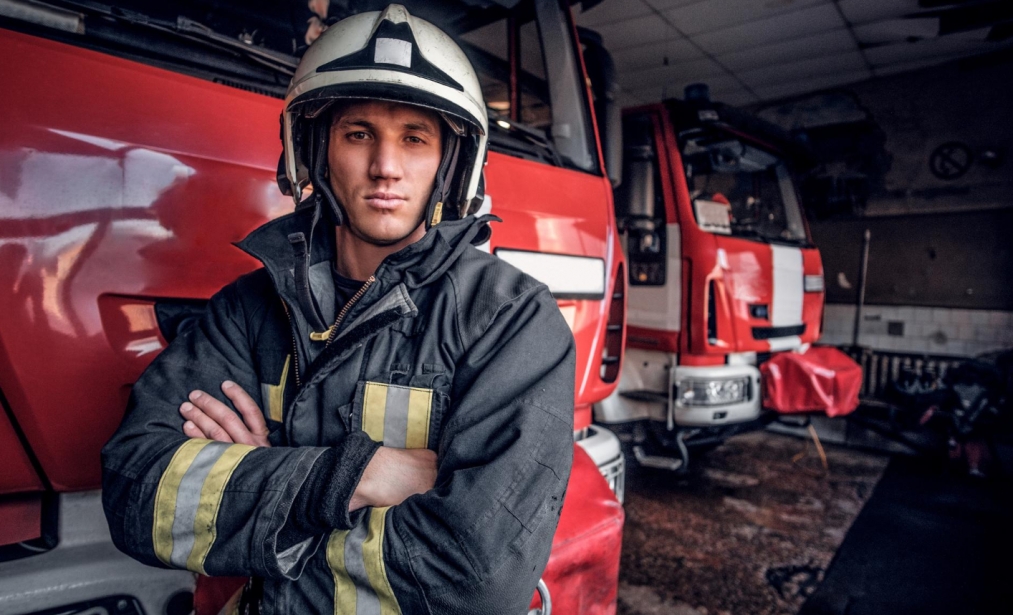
x,y
722,275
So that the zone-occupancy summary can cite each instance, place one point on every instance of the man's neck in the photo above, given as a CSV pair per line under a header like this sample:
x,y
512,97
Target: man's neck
x,y
358,259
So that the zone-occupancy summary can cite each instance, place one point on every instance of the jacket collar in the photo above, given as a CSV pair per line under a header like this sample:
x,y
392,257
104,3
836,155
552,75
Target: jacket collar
x,y
291,245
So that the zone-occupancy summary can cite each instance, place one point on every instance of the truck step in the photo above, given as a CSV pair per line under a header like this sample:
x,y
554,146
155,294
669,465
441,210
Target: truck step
x,y
656,461
651,397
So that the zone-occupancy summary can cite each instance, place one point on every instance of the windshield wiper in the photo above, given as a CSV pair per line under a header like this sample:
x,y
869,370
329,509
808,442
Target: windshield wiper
x,y
187,28
525,133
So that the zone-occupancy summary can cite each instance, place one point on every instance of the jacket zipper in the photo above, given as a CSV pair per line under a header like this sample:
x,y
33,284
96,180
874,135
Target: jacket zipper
x,y
295,348
333,331
348,306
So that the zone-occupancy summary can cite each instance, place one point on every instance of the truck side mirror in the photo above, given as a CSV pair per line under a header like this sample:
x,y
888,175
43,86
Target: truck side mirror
x,y
605,89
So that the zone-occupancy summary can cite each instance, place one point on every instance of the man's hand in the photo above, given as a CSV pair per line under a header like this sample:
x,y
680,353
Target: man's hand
x,y
394,474
206,417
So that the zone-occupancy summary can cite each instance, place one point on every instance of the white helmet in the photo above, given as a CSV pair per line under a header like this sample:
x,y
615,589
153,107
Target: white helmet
x,y
387,55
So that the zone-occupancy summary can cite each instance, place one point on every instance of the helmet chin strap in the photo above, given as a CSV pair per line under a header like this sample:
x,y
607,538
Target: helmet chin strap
x,y
444,181
319,173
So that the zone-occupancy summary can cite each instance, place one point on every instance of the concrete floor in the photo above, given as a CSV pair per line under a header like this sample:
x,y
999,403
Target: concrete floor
x,y
749,530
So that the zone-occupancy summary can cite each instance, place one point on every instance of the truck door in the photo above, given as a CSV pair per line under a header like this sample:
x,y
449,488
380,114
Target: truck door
x,y
545,179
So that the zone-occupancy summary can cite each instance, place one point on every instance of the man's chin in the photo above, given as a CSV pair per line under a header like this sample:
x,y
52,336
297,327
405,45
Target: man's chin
x,y
380,239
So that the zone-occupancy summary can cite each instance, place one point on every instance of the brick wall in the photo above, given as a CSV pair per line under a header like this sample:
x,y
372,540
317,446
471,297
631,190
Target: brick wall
x,y
929,330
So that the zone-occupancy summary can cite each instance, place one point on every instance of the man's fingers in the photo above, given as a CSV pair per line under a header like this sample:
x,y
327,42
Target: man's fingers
x,y
207,426
192,431
223,416
252,415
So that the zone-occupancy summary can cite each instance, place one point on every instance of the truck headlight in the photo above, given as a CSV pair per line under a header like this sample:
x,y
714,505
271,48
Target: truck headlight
x,y
813,283
720,392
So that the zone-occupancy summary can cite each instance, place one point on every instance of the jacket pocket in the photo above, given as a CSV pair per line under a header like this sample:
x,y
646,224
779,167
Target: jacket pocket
x,y
395,415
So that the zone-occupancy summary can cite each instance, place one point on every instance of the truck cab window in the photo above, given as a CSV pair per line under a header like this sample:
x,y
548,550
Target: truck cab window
x,y
740,189
552,122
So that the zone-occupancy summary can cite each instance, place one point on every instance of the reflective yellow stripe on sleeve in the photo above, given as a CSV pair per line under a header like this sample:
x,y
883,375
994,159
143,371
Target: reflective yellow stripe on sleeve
x,y
165,496
205,521
188,498
372,557
344,588
355,557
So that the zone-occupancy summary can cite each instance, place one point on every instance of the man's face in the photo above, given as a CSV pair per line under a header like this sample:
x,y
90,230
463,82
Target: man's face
x,y
383,159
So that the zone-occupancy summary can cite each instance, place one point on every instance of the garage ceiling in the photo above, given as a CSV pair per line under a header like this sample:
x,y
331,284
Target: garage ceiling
x,y
749,51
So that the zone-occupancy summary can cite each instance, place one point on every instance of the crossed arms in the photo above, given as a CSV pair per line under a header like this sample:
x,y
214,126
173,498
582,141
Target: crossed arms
x,y
390,477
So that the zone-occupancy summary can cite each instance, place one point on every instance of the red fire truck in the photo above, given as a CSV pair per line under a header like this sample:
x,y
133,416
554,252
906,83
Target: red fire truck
x,y
140,142
723,273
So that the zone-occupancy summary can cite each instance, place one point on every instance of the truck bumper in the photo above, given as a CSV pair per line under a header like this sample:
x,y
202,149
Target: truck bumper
x,y
602,446
583,570
85,567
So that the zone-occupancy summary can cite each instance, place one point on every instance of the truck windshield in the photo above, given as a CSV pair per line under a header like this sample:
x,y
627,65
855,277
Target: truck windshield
x,y
740,189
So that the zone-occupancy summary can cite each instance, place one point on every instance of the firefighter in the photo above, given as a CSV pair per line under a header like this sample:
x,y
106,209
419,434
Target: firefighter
x,y
380,419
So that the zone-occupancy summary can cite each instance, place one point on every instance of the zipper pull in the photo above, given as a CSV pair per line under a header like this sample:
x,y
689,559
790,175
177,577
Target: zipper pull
x,y
322,336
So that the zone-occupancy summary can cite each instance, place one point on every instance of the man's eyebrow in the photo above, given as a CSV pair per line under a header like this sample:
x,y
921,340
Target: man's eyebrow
x,y
356,122
425,127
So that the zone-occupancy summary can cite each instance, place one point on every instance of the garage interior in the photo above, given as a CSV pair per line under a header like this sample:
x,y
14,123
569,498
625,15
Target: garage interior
x,y
892,520
900,503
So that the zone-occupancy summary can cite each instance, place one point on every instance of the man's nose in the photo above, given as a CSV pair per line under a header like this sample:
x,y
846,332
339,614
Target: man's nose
x,y
386,163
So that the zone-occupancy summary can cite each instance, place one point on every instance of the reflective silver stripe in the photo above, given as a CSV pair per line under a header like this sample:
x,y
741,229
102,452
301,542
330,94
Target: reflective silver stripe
x,y
366,601
395,418
188,499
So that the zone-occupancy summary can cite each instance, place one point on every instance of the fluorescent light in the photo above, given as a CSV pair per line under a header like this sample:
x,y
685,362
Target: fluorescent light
x,y
568,277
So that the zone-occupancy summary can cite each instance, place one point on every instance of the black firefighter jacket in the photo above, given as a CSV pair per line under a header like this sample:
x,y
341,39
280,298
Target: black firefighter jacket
x,y
449,348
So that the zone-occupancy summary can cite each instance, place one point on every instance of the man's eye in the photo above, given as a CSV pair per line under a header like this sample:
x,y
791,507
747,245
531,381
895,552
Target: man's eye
x,y
358,135
414,139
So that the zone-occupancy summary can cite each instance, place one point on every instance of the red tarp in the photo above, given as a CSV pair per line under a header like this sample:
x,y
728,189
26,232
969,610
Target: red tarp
x,y
823,379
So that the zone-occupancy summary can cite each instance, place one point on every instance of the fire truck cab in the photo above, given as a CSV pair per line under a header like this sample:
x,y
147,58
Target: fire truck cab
x,y
141,141
723,273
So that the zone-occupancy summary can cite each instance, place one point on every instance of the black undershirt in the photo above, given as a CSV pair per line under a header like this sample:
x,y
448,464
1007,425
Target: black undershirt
x,y
344,289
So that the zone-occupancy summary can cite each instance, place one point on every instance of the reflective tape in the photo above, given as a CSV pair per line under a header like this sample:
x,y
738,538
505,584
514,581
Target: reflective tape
x,y
397,416
188,498
273,395
355,558
165,497
344,589
206,519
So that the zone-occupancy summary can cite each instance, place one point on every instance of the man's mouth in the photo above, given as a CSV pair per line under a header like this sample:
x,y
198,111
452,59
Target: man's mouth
x,y
385,200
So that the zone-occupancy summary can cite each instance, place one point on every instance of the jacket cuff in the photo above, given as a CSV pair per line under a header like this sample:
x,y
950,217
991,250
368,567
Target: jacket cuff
x,y
322,503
